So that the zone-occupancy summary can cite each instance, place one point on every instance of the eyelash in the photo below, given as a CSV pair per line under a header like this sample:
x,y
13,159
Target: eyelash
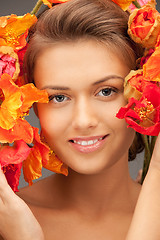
x,y
53,97
65,98
111,92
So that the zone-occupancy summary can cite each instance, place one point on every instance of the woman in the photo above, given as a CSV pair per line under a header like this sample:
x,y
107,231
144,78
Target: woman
x,y
80,53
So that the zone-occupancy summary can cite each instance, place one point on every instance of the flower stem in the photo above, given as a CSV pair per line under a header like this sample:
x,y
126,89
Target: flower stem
x,y
36,7
153,140
136,4
147,157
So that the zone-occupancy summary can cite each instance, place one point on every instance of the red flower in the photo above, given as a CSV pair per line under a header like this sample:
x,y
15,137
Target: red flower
x,y
146,56
144,26
12,173
14,154
144,115
21,54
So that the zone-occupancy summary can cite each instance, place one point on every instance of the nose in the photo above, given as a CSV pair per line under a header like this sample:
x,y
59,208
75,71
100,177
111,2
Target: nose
x,y
84,115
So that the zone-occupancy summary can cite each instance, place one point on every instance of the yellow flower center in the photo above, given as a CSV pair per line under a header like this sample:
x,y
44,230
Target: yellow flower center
x,y
11,38
144,112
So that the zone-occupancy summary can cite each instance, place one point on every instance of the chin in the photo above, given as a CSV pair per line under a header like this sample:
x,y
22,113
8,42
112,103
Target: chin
x,y
88,170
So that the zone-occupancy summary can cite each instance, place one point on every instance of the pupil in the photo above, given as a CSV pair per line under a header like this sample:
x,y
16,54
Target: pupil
x,y
106,91
60,98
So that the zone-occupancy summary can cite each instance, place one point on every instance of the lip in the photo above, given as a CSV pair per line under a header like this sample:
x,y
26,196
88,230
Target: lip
x,y
88,148
87,138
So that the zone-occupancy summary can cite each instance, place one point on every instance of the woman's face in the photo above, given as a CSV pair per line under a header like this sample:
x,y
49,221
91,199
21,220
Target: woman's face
x,y
85,84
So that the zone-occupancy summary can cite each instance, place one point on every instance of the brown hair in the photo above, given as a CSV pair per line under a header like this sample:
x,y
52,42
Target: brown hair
x,y
101,20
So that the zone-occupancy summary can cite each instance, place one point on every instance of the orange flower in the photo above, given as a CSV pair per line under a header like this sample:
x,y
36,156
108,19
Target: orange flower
x,y
40,156
134,84
11,102
49,2
56,165
16,101
31,94
22,130
158,42
151,68
32,166
13,30
144,26
124,4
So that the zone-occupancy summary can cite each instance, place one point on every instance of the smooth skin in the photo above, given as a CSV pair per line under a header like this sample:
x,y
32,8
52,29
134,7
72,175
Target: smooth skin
x,y
97,200
85,85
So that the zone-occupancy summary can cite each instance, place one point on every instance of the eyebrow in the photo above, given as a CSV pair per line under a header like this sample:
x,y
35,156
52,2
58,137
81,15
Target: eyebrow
x,y
95,83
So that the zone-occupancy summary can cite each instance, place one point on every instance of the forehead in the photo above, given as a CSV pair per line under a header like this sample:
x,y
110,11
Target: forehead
x,y
85,60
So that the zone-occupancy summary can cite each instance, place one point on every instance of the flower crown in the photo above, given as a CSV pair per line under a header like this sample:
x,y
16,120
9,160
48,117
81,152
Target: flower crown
x,y
21,145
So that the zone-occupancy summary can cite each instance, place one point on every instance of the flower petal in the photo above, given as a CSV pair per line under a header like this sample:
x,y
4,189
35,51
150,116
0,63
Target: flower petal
x,y
13,30
32,94
56,165
124,4
49,2
10,62
11,104
144,26
151,68
144,115
17,100
12,173
32,166
22,130
16,154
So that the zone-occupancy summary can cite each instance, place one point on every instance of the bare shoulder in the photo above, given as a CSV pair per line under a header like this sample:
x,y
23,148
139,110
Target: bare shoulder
x,y
38,193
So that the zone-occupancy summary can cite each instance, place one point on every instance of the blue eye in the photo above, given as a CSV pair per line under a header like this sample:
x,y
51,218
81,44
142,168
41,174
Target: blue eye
x,y
58,98
106,92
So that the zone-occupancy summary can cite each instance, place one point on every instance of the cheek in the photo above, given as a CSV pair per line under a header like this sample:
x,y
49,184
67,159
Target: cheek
x,y
124,134
109,110
52,121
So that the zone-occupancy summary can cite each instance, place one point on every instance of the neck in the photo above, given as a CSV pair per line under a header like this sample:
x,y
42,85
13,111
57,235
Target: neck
x,y
111,189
